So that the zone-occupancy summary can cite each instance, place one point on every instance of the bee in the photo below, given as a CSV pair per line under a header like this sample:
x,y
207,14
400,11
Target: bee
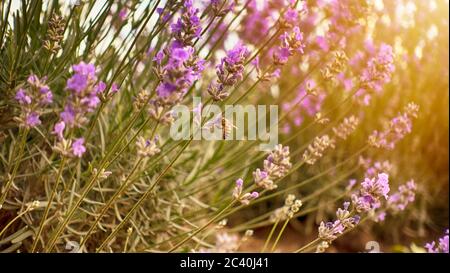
x,y
226,127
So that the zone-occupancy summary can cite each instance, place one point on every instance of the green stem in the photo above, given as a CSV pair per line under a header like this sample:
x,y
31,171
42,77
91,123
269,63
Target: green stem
x,y
14,220
110,202
279,234
49,203
202,228
15,168
309,245
142,199
270,236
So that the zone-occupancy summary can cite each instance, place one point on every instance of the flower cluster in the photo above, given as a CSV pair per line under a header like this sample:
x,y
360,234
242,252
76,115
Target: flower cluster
x,y
398,128
345,17
255,24
182,67
229,72
290,208
344,129
55,33
399,200
188,26
373,169
291,43
147,148
329,231
290,18
332,70
379,69
84,95
31,100
276,166
371,192
102,174
366,200
238,194
440,247
406,194
68,147
83,99
315,150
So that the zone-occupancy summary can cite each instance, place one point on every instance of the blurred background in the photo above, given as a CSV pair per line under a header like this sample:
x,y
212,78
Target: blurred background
x,y
418,31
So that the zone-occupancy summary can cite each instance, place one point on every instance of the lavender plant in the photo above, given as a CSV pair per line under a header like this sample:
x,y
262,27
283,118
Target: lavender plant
x,y
90,98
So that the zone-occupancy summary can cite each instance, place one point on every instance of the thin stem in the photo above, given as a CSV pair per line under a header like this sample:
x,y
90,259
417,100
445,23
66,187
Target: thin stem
x,y
279,235
15,167
15,219
105,208
49,203
266,243
305,247
142,199
202,228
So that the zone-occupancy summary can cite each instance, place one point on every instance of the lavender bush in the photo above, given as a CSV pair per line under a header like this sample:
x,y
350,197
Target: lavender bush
x,y
89,92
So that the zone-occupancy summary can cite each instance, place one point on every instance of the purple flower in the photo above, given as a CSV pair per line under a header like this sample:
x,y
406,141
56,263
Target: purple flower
x,y
91,102
291,43
239,182
33,79
114,88
290,17
371,192
239,196
441,247
78,148
164,14
100,87
378,187
84,75
282,55
22,97
32,119
364,203
344,16
398,128
379,70
304,105
83,68
159,57
231,66
46,95
58,130
255,24
68,115
84,96
179,56
406,194
187,27
182,68
166,89
276,165
123,14
31,99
